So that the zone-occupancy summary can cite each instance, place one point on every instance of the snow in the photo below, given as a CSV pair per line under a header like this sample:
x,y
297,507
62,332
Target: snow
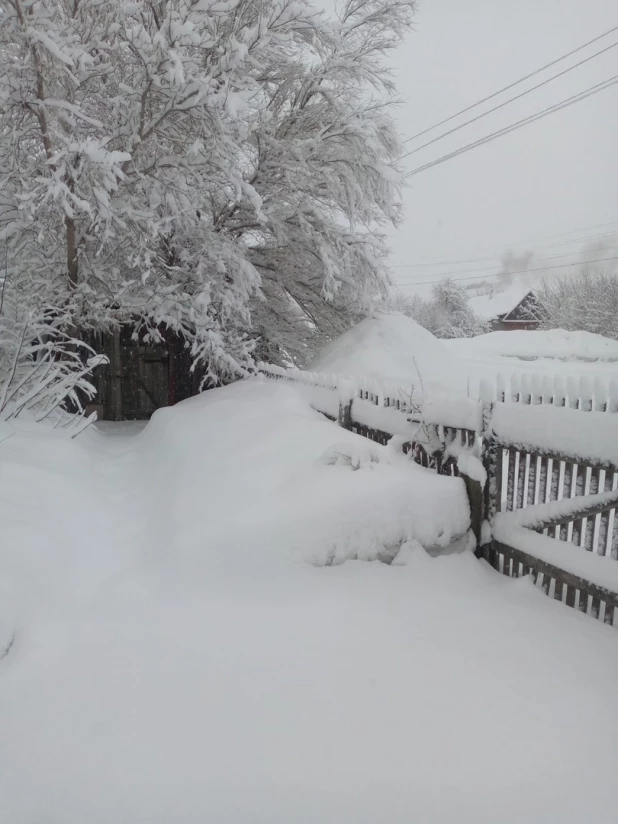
x,y
531,344
181,653
565,509
598,569
586,436
497,303
468,464
392,347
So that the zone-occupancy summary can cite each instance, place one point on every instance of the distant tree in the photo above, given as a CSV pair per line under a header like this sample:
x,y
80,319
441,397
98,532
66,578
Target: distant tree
x,y
446,314
588,302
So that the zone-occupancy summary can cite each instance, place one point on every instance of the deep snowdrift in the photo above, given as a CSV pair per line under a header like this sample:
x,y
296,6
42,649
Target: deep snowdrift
x,y
179,658
392,347
530,345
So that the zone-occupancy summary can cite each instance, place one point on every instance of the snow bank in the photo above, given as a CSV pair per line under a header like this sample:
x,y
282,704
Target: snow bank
x,y
530,345
585,436
325,393
393,347
56,531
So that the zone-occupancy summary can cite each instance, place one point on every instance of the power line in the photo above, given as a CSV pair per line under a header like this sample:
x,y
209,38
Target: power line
x,y
512,85
502,274
496,257
563,104
492,268
506,102
520,243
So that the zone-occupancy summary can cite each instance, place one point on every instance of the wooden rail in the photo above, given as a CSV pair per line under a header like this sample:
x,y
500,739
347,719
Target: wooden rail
x,y
572,590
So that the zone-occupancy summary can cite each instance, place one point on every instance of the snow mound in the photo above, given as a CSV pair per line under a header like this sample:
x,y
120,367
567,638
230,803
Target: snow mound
x,y
318,492
530,345
392,347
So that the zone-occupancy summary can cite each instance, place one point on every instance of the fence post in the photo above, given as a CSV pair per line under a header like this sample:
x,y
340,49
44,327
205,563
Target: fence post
x,y
346,396
476,499
345,415
482,497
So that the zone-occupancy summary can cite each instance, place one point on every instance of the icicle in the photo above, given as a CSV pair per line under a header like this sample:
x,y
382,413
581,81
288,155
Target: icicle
x,y
501,385
515,387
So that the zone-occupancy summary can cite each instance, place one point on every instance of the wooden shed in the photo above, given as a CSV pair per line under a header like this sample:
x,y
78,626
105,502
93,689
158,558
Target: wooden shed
x,y
141,376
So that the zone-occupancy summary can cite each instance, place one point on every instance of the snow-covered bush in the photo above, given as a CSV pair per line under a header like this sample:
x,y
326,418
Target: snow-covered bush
x,y
43,369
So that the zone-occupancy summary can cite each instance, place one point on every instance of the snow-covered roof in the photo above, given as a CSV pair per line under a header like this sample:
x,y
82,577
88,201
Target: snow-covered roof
x,y
528,345
390,346
497,303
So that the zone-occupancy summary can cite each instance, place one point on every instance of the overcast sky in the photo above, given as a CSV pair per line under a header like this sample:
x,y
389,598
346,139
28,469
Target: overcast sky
x,y
554,176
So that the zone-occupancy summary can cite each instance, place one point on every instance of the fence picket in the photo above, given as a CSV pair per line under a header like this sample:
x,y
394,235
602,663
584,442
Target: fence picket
x,y
586,393
600,395
580,486
605,517
521,478
591,523
572,392
543,465
570,595
532,469
510,483
567,491
560,391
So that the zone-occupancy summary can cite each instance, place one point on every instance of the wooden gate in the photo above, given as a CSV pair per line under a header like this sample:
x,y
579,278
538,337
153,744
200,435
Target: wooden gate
x,y
141,376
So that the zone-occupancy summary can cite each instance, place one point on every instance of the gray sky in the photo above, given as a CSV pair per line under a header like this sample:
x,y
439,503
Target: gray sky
x,y
554,176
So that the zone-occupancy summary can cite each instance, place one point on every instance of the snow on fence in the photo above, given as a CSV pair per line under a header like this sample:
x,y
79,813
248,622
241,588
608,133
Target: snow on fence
x,y
436,430
553,498
539,457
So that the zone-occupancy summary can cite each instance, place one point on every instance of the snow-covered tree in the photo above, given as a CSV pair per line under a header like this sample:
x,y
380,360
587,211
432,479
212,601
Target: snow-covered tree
x,y
446,313
220,168
588,302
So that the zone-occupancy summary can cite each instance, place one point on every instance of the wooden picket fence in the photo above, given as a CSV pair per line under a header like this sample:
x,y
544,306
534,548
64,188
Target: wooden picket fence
x,y
522,478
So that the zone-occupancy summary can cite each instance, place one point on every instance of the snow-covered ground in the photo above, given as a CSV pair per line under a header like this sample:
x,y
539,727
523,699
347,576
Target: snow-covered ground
x,y
487,366
530,345
187,649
